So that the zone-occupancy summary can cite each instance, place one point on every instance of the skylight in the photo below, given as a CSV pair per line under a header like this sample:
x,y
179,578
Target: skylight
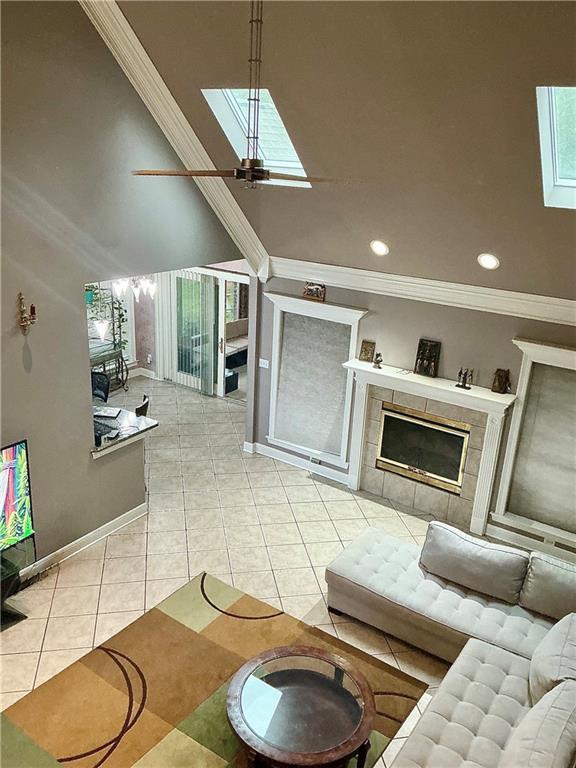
x,y
230,108
557,122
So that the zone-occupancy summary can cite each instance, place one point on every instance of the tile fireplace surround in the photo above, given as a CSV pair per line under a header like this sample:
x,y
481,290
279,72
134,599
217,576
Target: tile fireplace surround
x,y
484,410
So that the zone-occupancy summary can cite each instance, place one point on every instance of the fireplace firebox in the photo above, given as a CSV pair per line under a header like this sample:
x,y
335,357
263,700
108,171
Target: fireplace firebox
x,y
422,446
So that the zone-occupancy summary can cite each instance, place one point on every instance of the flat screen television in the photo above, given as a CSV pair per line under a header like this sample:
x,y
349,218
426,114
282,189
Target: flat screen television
x,y
15,498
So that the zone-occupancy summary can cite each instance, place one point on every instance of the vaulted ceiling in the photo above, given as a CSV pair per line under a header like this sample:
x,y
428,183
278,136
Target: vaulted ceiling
x,y
426,110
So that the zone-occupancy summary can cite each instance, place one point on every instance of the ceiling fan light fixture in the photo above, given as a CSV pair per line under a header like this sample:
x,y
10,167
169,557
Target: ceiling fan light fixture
x,y
379,248
488,261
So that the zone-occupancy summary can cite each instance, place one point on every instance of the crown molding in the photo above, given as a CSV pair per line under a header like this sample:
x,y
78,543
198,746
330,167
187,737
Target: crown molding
x,y
547,309
128,51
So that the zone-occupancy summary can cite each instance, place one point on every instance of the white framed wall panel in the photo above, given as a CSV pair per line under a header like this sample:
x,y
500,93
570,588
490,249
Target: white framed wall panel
x,y
284,306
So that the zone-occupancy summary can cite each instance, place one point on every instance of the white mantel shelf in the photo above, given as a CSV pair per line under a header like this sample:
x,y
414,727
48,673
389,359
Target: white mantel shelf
x,y
443,390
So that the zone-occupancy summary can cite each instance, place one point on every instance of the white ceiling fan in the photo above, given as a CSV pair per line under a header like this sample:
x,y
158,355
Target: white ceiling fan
x,y
251,169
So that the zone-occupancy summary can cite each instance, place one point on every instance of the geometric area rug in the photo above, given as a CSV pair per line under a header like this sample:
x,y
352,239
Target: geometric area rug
x,y
154,695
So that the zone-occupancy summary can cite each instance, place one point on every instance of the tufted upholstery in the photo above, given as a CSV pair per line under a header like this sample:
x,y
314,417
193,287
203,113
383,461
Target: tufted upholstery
x,y
378,580
472,716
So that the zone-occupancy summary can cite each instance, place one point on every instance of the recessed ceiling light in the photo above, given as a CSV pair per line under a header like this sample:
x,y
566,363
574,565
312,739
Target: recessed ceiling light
x,y
379,248
488,261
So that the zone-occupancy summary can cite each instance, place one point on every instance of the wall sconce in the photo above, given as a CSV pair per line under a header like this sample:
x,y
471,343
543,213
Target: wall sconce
x,y
25,319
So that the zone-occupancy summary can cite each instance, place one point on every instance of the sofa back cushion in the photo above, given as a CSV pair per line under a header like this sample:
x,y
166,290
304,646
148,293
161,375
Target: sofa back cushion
x,y
546,735
550,586
554,659
474,563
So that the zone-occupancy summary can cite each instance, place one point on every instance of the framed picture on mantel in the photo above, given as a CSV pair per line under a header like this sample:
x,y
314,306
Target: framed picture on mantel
x,y
427,358
367,351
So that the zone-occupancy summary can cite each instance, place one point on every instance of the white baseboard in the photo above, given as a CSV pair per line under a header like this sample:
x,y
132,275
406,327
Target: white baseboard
x,y
297,461
143,372
84,541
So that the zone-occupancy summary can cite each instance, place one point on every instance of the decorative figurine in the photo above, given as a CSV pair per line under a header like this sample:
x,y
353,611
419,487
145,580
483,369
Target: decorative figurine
x,y
502,383
314,291
465,376
427,357
377,360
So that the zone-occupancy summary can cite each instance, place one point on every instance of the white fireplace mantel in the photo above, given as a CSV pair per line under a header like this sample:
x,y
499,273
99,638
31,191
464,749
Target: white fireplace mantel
x,y
445,391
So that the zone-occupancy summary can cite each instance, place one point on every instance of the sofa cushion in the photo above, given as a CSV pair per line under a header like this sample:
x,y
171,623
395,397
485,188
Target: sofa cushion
x,y
550,586
554,659
385,570
474,563
482,698
546,735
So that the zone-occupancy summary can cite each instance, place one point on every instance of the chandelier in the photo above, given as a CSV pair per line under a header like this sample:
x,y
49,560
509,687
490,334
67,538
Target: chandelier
x,y
144,284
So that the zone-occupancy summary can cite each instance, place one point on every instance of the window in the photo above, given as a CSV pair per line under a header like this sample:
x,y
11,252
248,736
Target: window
x,y
557,123
230,108
232,302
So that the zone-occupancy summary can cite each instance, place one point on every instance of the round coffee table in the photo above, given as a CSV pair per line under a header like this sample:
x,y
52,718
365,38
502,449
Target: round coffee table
x,y
301,706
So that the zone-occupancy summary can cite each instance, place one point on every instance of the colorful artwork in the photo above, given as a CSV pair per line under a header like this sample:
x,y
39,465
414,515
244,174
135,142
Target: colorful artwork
x,y
15,504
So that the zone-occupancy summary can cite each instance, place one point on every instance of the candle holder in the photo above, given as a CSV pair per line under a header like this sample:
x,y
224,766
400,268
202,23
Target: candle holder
x,y
25,318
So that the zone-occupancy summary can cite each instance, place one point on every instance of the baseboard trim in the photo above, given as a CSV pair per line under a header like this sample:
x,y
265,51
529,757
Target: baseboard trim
x,y
68,550
297,461
143,372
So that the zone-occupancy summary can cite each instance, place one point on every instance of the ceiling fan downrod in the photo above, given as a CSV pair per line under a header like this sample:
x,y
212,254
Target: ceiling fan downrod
x,y
251,161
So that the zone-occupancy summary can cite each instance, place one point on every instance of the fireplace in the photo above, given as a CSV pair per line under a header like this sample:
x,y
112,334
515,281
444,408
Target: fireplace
x,y
424,447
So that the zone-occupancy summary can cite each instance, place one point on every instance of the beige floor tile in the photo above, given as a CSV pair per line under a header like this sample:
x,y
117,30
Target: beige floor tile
x,y
343,510
204,518
234,516
424,700
52,662
197,483
109,624
349,529
323,552
298,494
296,477
274,495
165,469
256,463
244,536
309,608
232,482
121,597
213,561
320,572
69,632
7,699
24,637
394,526
236,498
259,584
391,751
75,601
281,533
80,573
289,556
35,603
319,530
166,542
159,590
296,581
93,552
271,514
17,671
333,493
228,466
328,628
157,502
206,538
416,525
248,559
127,545
170,566
140,525
197,468
168,520
264,479
373,508
362,636
423,666
121,569
47,579
309,511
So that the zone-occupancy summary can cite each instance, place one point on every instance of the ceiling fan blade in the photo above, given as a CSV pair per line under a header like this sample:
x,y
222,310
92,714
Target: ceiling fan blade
x,y
215,172
289,177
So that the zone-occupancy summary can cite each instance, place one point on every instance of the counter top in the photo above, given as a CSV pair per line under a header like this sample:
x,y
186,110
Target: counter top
x,y
130,427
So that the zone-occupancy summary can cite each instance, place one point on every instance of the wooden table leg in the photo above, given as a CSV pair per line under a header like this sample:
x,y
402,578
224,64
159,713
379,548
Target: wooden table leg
x,y
362,754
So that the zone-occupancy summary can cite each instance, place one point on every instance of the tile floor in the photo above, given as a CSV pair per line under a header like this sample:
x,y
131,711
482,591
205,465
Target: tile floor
x,y
260,524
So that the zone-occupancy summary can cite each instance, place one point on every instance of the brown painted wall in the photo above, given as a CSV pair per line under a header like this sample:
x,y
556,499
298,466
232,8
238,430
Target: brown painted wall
x,y
144,313
427,108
